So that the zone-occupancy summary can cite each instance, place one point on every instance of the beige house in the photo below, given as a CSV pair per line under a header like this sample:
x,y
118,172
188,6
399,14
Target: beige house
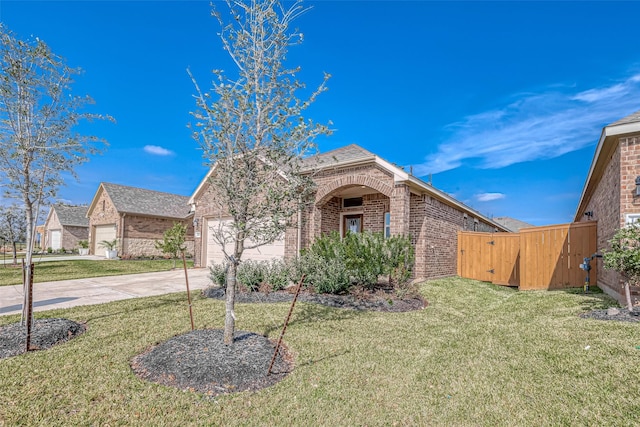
x,y
357,190
611,194
64,227
136,218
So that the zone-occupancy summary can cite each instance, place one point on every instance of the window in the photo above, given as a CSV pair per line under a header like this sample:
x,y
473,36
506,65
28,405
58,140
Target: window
x,y
387,225
633,218
352,202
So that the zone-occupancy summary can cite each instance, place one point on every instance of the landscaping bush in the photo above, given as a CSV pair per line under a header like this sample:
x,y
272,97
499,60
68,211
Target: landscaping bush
x,y
277,274
324,275
218,274
251,274
333,264
399,259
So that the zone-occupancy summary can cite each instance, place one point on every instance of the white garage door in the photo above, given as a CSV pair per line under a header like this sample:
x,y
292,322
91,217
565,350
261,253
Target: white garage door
x,y
263,253
103,232
56,241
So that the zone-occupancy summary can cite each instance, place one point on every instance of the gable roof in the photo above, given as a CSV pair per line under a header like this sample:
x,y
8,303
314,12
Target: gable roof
x,y
607,144
353,154
145,202
344,155
511,223
75,216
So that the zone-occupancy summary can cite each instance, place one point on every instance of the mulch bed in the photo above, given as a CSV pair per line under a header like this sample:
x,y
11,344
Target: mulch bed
x,y
45,333
200,361
363,300
615,314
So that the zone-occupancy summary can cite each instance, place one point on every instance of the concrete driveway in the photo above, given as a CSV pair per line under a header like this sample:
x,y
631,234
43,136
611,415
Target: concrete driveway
x,y
98,290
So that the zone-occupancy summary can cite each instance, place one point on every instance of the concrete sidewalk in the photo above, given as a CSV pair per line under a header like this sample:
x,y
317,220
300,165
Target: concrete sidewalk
x,y
98,290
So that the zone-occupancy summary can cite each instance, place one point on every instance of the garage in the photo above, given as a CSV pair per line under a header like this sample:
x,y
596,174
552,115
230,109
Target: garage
x,y
56,239
215,255
103,232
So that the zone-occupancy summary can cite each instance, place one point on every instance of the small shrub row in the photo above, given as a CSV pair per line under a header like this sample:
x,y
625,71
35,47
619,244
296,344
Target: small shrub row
x,y
253,275
332,265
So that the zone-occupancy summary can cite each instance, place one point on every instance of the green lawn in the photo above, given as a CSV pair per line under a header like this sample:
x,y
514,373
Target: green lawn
x,y
478,355
78,269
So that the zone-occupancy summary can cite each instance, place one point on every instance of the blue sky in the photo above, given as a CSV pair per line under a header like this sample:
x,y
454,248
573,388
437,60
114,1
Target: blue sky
x,y
501,102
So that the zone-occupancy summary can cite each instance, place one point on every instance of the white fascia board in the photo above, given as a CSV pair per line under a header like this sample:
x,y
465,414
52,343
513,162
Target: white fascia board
x,y
192,199
398,173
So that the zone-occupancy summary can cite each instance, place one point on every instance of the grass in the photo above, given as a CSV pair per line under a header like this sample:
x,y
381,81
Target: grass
x,y
78,269
478,355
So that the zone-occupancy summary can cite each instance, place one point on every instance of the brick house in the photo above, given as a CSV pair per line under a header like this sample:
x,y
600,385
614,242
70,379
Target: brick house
x,y
64,227
609,195
136,217
357,190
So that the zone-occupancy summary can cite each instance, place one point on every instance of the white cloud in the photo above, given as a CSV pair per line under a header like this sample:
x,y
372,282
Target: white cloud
x,y
157,150
536,126
488,197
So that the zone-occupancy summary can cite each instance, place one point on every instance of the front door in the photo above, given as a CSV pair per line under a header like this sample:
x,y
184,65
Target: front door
x,y
352,223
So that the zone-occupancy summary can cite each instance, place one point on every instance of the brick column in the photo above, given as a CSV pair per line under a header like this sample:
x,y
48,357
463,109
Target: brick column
x,y
400,209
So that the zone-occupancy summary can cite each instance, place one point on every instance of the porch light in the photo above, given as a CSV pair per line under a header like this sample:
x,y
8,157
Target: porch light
x,y
195,223
638,186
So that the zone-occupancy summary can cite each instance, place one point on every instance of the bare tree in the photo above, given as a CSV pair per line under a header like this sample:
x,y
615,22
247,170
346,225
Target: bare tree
x,y
253,133
13,227
38,116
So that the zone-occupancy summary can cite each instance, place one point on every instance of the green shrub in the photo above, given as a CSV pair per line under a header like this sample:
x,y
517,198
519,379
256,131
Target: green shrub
x,y
251,274
399,259
218,274
277,274
365,257
325,275
358,258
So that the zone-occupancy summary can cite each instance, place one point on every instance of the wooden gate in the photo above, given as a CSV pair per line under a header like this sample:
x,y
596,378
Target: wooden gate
x,y
535,258
490,257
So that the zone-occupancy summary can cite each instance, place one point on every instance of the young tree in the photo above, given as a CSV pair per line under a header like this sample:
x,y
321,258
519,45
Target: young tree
x,y
172,242
13,227
253,133
624,257
38,116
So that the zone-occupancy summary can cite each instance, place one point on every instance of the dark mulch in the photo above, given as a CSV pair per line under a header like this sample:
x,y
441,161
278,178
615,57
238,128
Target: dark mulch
x,y
363,300
45,333
616,314
200,361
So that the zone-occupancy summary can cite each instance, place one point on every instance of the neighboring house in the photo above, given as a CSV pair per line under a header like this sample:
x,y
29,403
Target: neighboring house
x,y
512,224
65,226
136,218
611,192
39,242
358,191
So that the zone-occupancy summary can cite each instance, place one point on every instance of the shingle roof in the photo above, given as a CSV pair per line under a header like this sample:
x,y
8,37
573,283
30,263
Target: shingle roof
x,y
147,202
512,223
631,118
350,153
72,215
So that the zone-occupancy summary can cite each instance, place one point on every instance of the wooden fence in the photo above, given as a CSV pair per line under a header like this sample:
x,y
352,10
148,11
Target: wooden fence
x,y
535,258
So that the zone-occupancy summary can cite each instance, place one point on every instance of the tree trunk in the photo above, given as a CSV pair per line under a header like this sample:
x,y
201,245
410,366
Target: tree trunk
x,y
627,292
230,317
15,253
27,303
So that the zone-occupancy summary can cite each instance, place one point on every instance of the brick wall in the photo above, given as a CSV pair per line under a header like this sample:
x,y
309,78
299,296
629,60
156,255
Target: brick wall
x,y
374,207
103,213
140,234
605,205
614,198
330,216
71,235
